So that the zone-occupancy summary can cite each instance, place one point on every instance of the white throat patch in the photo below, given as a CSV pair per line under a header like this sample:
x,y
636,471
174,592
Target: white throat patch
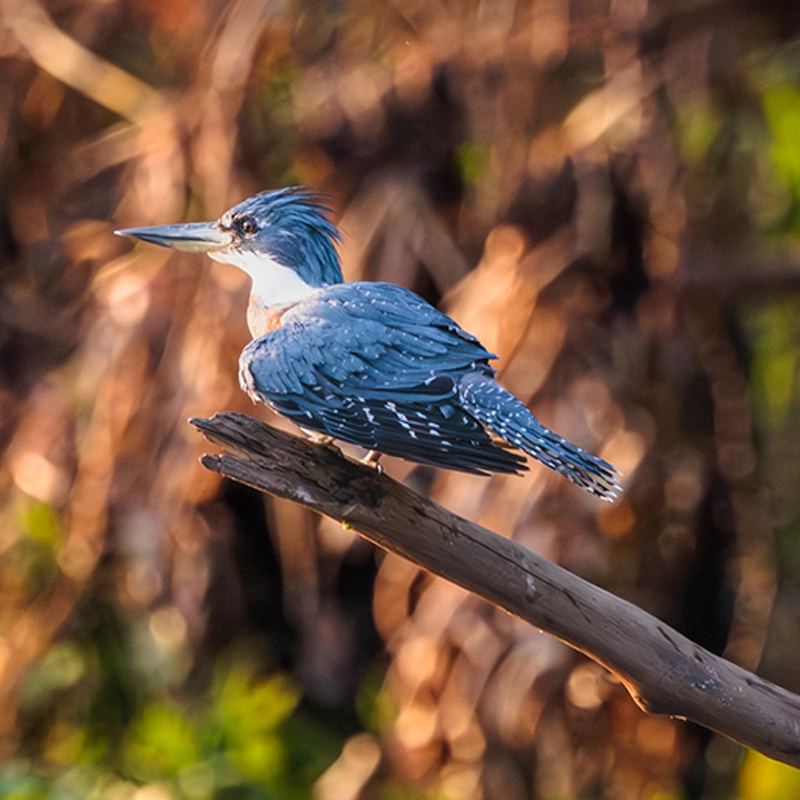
x,y
273,284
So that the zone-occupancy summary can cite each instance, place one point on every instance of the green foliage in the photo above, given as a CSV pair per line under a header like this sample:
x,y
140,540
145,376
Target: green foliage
x,y
782,110
242,737
761,778
60,669
41,523
31,560
375,708
777,182
775,344
250,713
160,743
698,128
473,161
18,784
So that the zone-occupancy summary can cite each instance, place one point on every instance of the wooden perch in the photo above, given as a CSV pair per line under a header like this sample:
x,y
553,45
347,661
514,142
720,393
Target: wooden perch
x,y
665,672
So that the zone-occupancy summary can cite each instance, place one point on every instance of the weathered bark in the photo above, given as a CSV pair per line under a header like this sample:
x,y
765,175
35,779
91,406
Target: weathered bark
x,y
665,672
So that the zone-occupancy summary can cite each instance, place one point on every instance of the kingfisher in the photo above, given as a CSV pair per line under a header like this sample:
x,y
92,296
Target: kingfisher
x,y
372,364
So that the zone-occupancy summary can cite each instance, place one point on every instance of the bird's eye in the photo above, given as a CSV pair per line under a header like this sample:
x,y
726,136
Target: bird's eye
x,y
247,225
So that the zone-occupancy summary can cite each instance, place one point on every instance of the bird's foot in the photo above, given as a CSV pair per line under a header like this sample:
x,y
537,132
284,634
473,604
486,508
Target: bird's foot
x,y
322,439
372,459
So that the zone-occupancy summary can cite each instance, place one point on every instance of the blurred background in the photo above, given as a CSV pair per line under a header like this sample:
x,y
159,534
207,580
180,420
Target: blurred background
x,y
606,192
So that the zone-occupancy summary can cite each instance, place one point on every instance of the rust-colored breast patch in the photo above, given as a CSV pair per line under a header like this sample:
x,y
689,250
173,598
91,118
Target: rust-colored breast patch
x,y
263,320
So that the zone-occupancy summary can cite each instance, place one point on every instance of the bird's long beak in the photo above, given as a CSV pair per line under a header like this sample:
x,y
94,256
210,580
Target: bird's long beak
x,y
194,237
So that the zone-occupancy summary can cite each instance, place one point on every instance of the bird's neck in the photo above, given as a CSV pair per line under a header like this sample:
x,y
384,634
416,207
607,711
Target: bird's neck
x,y
276,285
275,288
269,302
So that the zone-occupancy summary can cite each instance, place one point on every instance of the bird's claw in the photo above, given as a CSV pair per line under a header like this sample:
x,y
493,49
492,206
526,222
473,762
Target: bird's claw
x,y
371,459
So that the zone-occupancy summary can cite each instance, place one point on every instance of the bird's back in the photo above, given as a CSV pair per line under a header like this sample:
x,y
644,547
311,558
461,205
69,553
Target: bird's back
x,y
375,365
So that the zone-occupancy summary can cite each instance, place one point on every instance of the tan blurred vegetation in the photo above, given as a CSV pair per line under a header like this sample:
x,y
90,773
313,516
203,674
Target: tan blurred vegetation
x,y
607,193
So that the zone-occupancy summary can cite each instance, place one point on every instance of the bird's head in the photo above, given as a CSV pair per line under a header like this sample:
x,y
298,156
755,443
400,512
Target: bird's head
x,y
283,239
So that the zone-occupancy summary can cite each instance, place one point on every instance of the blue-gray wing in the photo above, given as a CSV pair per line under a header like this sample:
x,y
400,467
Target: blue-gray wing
x,y
375,365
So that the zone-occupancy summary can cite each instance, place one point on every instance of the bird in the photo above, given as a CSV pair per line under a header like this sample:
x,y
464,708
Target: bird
x,y
368,363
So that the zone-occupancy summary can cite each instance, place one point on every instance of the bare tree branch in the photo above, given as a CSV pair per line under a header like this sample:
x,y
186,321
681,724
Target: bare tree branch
x,y
664,672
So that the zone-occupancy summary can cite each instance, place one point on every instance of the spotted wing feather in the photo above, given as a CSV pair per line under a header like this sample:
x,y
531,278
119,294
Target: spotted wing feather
x,y
374,365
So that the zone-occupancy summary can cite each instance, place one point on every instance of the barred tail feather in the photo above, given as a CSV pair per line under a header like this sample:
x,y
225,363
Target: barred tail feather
x,y
505,415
